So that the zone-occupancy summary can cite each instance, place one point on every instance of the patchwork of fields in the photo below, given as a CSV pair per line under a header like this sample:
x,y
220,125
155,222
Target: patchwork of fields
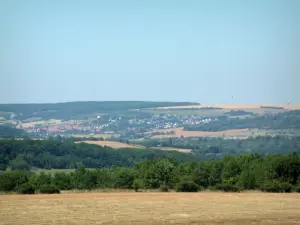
x,y
206,208
235,133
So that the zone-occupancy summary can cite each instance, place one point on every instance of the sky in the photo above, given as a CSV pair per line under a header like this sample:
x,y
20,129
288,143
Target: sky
x,y
211,52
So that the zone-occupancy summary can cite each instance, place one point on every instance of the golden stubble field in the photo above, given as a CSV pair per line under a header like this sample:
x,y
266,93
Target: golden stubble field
x,y
178,132
206,208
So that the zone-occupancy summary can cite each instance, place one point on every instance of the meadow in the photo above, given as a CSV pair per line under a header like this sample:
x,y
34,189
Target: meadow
x,y
206,208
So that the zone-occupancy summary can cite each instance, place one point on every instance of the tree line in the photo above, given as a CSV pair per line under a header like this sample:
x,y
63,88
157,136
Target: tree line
x,y
206,148
287,120
78,109
273,173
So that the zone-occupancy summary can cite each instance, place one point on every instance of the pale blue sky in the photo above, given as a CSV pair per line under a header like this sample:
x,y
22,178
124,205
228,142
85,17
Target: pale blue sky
x,y
203,51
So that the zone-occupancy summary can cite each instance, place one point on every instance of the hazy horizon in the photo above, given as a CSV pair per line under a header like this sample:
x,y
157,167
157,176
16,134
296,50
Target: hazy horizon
x,y
210,52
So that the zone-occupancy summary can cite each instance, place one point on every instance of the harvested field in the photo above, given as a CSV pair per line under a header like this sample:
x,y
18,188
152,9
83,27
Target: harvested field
x,y
33,124
206,208
173,149
104,136
235,133
239,133
113,144
117,145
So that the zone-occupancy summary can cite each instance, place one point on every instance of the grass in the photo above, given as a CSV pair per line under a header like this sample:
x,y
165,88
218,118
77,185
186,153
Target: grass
x,y
207,208
112,144
52,171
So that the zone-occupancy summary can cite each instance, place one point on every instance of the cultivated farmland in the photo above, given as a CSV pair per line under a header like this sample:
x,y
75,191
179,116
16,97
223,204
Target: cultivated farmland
x,y
206,208
112,144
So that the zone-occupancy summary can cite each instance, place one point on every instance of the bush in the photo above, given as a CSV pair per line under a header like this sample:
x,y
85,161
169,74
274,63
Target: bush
x,y
297,189
187,186
49,189
227,188
164,188
26,188
137,184
276,186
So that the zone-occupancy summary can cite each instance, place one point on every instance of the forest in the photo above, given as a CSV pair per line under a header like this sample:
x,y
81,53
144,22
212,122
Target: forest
x,y
8,131
218,147
286,120
65,154
70,110
273,173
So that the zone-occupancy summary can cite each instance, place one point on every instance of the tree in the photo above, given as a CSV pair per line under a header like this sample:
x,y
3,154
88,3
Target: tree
x,y
187,185
49,189
158,172
125,178
26,188
137,184
19,164
11,180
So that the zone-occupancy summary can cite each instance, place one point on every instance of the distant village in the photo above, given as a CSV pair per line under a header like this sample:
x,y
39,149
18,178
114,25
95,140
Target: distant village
x,y
110,125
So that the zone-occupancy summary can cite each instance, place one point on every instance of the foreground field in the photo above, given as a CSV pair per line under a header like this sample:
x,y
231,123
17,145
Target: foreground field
x,y
151,208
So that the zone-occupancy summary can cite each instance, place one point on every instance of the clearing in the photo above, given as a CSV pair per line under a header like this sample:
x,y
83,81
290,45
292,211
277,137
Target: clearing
x,y
112,144
206,208
118,145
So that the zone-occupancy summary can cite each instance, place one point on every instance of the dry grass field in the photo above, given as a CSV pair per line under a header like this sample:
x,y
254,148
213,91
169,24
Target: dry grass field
x,y
104,136
33,124
113,144
206,208
235,133
238,133
118,145
172,149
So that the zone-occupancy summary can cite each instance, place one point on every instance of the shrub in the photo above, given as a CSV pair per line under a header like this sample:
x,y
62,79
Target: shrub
x,y
276,186
26,188
227,188
49,189
297,189
187,186
164,188
137,184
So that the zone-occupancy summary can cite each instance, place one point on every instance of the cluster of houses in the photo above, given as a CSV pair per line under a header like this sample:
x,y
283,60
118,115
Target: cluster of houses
x,y
119,124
